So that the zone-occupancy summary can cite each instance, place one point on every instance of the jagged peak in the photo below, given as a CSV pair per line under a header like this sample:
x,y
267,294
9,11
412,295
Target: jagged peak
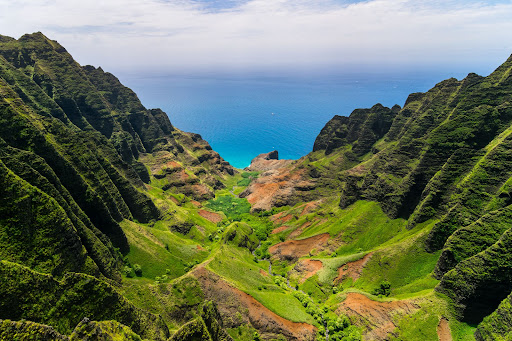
x,y
40,37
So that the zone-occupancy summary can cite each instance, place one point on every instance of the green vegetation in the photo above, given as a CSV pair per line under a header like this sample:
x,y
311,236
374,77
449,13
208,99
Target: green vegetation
x,y
114,223
247,177
330,266
232,207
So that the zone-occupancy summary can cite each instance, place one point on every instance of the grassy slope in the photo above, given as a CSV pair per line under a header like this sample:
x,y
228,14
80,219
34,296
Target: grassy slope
x,y
398,256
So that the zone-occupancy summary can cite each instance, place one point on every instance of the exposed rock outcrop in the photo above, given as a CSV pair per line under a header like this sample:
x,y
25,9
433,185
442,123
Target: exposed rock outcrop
x,y
267,161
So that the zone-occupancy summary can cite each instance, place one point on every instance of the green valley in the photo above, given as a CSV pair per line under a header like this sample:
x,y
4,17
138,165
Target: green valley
x,y
116,225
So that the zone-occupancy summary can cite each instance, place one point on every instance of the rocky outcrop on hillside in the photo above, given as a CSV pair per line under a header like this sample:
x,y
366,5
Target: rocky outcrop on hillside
x,y
267,161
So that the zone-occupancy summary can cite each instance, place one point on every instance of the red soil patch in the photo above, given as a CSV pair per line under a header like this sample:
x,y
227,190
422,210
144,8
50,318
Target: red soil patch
x,y
309,207
280,229
264,273
172,165
443,330
301,229
293,249
284,219
199,247
181,177
274,186
262,194
377,317
231,300
195,203
309,267
213,217
174,200
352,269
276,216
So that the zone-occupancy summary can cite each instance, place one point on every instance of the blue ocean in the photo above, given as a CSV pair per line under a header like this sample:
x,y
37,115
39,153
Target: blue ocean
x,y
243,115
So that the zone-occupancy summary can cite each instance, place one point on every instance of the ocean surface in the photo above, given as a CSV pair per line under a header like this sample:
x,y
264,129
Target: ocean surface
x,y
243,115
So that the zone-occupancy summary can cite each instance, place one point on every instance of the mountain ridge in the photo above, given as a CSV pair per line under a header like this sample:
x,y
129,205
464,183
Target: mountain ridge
x,y
115,223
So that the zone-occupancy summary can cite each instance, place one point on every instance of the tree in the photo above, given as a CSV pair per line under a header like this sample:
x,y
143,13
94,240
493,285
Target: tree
x,y
138,269
127,271
384,289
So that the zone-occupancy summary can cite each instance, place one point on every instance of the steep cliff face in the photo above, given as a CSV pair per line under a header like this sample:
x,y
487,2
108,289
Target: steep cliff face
x,y
361,130
77,149
78,135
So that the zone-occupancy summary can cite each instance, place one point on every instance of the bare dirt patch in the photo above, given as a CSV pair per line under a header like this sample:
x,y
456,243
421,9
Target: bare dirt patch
x,y
263,273
262,194
283,219
376,317
276,216
307,268
309,207
280,229
195,203
443,330
211,216
353,269
292,250
231,300
357,170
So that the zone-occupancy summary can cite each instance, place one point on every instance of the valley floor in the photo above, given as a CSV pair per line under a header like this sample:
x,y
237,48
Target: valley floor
x,y
303,272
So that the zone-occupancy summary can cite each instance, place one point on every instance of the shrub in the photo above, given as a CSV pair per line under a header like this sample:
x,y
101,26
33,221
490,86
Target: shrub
x,y
244,182
384,289
138,269
127,271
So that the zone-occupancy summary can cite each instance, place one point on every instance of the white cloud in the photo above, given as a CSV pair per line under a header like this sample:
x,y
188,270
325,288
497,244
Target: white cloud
x,y
267,33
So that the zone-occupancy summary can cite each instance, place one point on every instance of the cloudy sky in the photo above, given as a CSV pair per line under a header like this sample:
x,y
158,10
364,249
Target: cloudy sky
x,y
254,34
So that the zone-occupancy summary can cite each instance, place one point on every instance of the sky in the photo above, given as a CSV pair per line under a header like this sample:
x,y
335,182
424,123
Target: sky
x,y
202,35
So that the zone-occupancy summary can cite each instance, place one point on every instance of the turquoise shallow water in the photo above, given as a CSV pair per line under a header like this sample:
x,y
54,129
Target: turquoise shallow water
x,y
244,115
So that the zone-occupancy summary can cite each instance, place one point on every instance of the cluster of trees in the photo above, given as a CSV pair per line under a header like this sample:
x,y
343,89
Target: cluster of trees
x,y
384,289
339,329
128,270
